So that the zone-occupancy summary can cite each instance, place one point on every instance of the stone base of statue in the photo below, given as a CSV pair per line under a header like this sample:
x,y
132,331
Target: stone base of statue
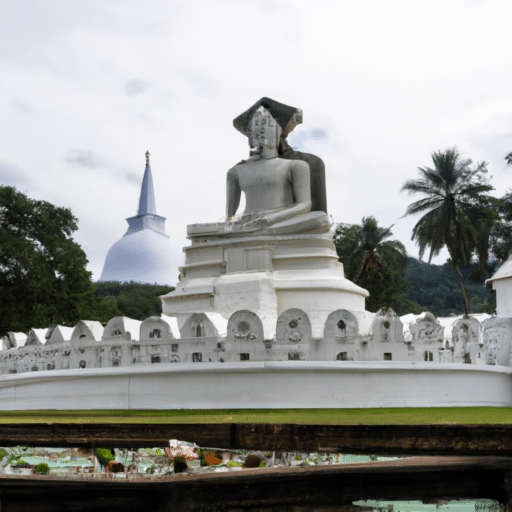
x,y
227,271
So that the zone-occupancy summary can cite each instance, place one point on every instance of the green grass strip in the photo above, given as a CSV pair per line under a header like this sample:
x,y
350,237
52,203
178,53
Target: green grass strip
x,y
397,416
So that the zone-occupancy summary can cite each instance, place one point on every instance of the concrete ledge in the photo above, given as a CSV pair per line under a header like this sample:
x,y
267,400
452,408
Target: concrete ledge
x,y
275,384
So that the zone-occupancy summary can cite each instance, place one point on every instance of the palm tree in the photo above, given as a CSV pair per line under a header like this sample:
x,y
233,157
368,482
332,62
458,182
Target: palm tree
x,y
372,261
371,243
455,203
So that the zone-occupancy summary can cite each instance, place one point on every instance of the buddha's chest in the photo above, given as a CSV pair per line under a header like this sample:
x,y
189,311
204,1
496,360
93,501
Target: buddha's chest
x,y
265,174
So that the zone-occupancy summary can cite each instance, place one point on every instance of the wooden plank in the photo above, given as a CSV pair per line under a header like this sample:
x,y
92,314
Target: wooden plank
x,y
315,488
381,439
312,489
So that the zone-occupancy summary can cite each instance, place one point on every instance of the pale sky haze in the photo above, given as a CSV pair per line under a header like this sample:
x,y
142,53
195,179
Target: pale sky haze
x,y
88,86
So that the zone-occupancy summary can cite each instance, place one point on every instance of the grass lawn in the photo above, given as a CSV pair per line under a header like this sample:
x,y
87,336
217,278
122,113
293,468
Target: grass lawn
x,y
398,416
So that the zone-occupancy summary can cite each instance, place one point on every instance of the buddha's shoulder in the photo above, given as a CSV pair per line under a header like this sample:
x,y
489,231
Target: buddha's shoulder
x,y
256,162
249,160
237,167
299,165
240,165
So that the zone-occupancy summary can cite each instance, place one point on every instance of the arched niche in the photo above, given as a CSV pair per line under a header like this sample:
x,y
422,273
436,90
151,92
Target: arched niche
x,y
466,336
86,330
121,328
341,325
198,325
54,336
427,330
33,339
387,327
293,326
467,330
244,325
155,328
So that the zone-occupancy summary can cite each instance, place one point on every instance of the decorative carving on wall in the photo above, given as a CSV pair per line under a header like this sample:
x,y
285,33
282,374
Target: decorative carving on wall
x,y
245,326
293,327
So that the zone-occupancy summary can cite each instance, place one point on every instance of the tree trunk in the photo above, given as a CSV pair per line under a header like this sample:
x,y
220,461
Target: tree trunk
x,y
456,268
463,289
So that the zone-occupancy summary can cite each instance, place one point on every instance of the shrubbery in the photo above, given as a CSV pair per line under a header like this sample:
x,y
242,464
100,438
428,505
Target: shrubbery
x,y
104,455
252,461
134,300
42,468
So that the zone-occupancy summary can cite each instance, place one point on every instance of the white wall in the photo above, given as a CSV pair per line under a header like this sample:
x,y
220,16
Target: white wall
x,y
503,289
287,384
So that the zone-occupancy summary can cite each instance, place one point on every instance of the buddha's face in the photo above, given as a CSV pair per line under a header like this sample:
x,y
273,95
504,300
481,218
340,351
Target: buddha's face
x,y
264,131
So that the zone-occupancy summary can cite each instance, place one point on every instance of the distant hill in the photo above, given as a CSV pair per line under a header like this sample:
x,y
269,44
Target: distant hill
x,y
133,300
436,288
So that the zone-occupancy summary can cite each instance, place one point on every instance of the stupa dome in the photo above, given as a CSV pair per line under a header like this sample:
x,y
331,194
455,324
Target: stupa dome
x,y
143,253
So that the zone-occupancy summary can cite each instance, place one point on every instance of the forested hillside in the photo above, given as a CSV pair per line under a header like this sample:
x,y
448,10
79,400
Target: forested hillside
x,y
436,288
134,300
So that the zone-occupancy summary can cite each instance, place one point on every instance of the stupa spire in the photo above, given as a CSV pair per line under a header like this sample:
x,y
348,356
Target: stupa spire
x,y
142,253
147,205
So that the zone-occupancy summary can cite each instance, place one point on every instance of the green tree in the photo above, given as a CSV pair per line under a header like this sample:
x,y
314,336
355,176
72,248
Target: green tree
x,y
501,232
373,262
436,288
42,468
484,306
486,223
109,309
134,300
43,276
455,203
104,456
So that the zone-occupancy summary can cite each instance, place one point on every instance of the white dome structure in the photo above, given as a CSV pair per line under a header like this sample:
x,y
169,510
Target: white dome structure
x,y
143,254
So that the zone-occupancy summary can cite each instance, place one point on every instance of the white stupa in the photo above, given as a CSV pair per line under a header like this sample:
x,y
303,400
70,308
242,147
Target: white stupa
x,y
143,254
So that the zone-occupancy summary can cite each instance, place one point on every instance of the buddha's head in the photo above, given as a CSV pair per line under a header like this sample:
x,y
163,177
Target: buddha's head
x,y
263,130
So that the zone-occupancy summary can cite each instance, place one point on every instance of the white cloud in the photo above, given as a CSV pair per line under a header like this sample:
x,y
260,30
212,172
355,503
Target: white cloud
x,y
102,82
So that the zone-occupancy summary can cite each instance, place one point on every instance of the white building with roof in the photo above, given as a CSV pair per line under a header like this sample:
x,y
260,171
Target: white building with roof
x,y
143,253
501,283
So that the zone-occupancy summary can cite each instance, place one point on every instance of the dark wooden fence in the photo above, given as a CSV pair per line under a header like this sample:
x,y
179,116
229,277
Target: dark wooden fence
x,y
381,439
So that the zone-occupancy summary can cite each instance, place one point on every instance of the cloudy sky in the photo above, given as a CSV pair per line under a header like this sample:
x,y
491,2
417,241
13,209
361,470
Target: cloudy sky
x,y
87,86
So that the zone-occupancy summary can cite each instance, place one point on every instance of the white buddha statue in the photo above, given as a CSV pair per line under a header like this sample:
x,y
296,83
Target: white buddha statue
x,y
277,189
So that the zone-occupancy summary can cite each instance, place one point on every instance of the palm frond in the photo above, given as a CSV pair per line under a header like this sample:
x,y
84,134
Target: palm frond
x,y
415,186
434,179
427,203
